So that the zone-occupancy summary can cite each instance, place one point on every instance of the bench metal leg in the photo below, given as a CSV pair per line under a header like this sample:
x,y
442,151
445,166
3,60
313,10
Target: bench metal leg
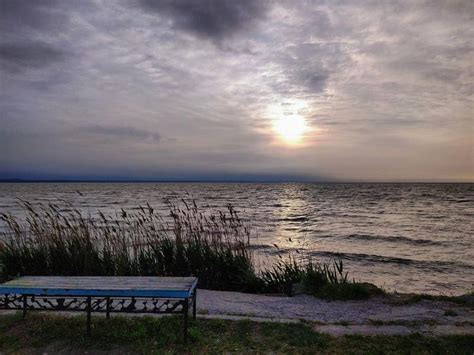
x,y
194,304
107,312
25,305
88,316
185,320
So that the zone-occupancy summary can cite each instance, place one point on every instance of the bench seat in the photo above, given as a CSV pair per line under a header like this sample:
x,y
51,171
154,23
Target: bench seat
x,y
108,294
130,286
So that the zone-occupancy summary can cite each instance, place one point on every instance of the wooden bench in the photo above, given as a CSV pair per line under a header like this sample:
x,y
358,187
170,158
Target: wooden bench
x,y
152,295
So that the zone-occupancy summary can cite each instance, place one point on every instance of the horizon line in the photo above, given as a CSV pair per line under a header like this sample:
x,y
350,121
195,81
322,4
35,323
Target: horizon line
x,y
21,180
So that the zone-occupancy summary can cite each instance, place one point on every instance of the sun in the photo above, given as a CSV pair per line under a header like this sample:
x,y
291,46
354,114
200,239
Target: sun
x,y
289,125
290,128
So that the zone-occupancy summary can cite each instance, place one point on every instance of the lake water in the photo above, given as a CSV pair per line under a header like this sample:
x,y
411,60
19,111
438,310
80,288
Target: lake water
x,y
404,237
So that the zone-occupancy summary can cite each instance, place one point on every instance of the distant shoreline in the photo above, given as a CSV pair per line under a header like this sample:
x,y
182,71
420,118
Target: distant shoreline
x,y
228,181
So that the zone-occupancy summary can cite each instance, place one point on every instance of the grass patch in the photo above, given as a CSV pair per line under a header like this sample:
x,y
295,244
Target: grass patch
x,y
147,335
466,300
409,344
407,323
450,313
348,291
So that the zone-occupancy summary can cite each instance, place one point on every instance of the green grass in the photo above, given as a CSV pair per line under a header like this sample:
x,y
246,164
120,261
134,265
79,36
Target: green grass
x,y
146,335
411,344
466,300
450,313
348,291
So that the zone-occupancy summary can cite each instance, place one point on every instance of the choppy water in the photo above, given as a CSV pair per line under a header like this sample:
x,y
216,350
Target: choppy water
x,y
405,237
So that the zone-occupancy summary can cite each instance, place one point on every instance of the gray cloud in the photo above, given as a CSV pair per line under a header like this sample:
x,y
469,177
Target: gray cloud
x,y
29,20
26,13
17,56
98,87
316,82
31,47
214,19
123,132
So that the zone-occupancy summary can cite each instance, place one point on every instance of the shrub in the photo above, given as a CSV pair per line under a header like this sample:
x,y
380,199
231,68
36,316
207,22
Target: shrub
x,y
347,291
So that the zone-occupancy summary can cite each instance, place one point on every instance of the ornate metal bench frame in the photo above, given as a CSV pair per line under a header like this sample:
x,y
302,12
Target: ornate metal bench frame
x,y
98,302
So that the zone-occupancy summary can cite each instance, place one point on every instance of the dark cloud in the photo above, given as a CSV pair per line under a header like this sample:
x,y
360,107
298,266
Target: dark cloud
x,y
19,16
124,132
315,82
214,19
457,7
15,57
29,33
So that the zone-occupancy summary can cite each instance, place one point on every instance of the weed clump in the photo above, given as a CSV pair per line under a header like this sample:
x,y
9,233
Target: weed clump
x,y
323,280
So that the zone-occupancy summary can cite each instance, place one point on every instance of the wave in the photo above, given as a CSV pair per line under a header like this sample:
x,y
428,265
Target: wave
x,y
432,265
426,264
381,238
392,239
293,219
278,205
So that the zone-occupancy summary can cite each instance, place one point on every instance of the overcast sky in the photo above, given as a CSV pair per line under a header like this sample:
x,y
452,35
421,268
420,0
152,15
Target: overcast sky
x,y
182,89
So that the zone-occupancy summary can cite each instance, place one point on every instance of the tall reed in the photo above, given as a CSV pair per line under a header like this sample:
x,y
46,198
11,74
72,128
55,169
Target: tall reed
x,y
214,246
54,240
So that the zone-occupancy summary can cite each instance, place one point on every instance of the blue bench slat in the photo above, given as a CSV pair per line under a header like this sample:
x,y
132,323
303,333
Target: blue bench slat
x,y
166,287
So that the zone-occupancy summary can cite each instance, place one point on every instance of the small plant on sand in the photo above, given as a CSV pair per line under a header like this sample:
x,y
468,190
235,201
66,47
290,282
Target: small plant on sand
x,y
450,313
323,280
298,272
282,276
